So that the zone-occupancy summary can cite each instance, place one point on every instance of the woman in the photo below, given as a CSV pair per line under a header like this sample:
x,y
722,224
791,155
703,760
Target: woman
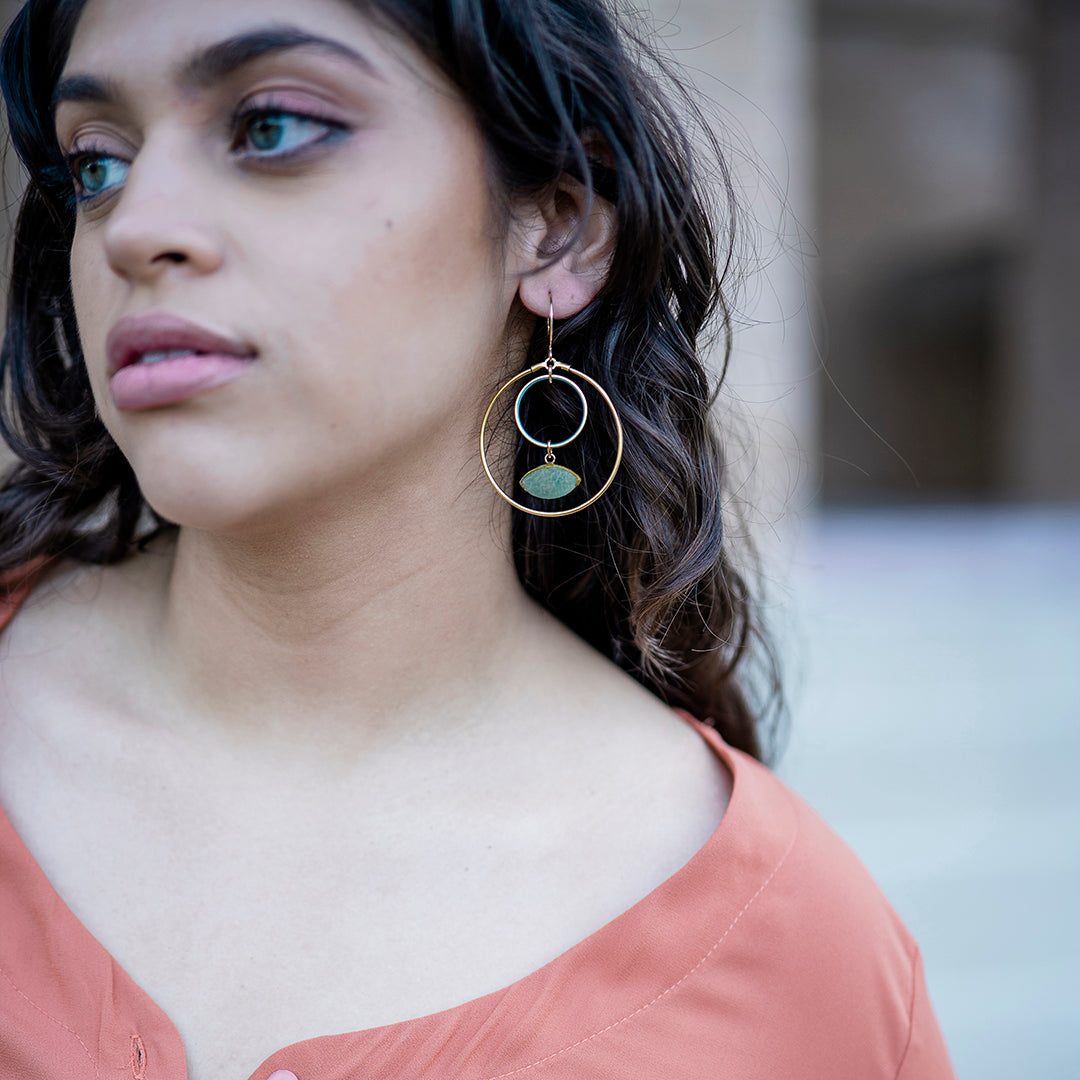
x,y
314,729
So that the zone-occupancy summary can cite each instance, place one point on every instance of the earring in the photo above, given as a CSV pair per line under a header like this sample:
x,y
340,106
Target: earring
x,y
551,481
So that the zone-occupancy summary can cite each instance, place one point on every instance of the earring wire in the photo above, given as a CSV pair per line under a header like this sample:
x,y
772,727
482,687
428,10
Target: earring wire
x,y
550,361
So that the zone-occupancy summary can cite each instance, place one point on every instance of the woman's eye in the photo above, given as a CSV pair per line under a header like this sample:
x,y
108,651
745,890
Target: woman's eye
x,y
95,174
271,134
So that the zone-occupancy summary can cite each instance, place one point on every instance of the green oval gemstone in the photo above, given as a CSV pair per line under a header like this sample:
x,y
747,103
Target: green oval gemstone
x,y
550,481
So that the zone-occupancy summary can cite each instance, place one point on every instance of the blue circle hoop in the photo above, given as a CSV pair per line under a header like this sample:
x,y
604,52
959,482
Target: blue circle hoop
x,y
548,378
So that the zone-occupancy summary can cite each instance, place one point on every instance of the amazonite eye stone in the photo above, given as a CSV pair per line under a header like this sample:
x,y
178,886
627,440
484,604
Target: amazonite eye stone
x,y
550,481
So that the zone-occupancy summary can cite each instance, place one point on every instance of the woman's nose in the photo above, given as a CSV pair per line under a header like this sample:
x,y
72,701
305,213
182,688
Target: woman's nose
x,y
163,217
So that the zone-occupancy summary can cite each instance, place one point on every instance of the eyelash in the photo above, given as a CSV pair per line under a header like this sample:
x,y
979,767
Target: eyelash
x,y
246,115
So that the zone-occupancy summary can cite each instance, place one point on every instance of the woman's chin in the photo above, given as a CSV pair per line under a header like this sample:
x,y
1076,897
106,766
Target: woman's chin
x,y
212,504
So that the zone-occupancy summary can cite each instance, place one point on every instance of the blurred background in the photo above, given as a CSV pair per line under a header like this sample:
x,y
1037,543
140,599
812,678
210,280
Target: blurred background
x,y
909,371
902,401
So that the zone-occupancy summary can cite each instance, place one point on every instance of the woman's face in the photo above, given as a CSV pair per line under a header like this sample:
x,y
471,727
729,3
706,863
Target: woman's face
x,y
323,207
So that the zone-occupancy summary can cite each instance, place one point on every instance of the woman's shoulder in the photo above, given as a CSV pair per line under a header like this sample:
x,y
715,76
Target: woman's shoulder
x,y
43,597
16,584
809,938
55,595
66,629
816,882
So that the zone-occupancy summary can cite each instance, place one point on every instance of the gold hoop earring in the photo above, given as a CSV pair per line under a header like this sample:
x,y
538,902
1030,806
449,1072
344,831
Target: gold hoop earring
x,y
551,481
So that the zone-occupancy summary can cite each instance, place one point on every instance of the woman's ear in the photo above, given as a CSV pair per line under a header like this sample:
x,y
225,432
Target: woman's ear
x,y
568,245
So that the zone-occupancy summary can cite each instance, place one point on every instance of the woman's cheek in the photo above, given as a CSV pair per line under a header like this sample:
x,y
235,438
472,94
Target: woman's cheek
x,y
90,281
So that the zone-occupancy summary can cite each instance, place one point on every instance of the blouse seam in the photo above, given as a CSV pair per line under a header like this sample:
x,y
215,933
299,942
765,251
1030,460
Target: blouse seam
x,y
911,1011
49,1016
674,986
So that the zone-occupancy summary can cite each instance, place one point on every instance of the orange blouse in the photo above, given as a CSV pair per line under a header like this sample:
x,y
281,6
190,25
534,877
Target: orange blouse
x,y
771,955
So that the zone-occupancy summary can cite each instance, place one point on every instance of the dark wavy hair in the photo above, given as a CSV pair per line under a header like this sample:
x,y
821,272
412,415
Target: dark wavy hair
x,y
557,87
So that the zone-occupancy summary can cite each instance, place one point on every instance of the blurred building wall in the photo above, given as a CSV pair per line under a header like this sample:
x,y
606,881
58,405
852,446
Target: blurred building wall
x,y
1043,378
948,211
751,60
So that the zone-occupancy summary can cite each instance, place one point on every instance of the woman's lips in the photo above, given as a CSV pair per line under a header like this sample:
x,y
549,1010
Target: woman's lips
x,y
202,359
165,382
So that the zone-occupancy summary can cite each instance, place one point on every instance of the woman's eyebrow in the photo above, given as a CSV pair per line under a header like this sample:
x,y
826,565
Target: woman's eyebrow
x,y
215,63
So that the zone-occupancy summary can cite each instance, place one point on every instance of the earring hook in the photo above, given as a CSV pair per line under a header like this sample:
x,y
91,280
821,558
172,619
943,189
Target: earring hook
x,y
550,361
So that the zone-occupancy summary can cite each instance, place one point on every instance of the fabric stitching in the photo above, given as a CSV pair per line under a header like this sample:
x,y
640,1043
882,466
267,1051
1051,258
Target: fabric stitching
x,y
49,1016
663,993
911,1012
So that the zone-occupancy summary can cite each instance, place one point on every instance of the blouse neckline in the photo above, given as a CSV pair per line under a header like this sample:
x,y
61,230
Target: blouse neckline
x,y
608,980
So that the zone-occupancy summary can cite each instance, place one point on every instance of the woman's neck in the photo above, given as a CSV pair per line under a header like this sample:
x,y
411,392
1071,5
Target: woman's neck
x,y
361,628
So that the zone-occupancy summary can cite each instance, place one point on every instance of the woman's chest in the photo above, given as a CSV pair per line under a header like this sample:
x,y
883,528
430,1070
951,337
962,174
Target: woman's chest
x,y
253,939
259,921
259,908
